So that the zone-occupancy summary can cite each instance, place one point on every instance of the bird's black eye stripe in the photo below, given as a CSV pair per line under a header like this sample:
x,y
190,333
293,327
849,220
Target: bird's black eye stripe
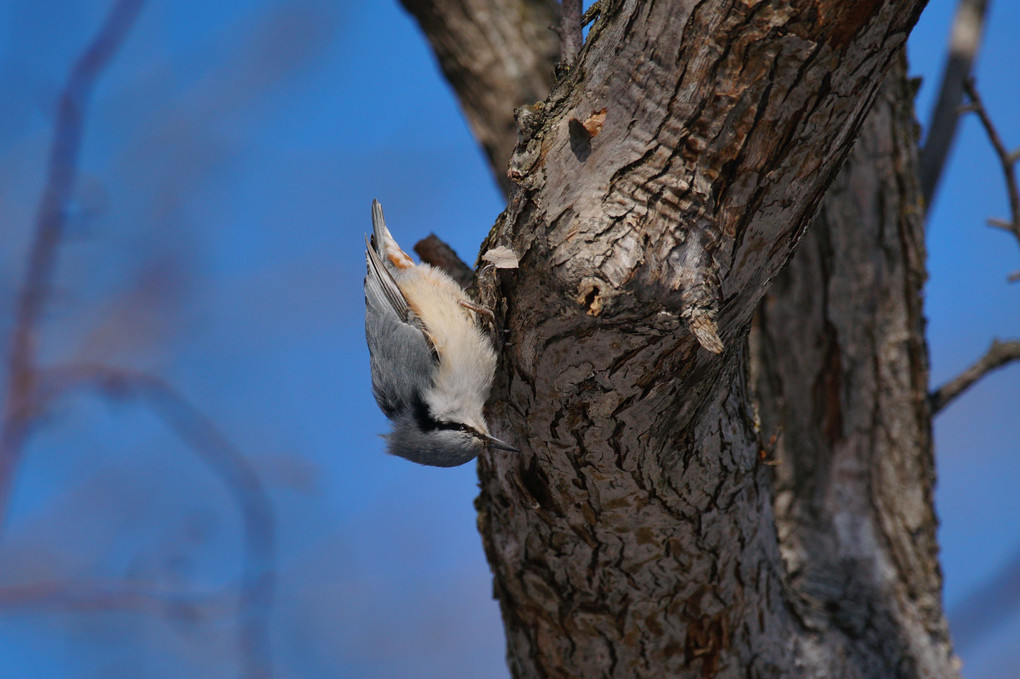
x,y
429,423
456,426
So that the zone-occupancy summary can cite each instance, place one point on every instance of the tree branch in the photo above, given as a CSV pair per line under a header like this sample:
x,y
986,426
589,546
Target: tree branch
x,y
998,355
108,596
202,436
19,406
592,13
570,31
29,388
1007,159
964,42
497,55
434,251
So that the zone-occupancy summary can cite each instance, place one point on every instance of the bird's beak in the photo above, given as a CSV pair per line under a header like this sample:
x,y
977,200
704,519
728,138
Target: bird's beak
x,y
502,445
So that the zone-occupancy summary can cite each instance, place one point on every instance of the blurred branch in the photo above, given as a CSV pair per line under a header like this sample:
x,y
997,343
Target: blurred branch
x,y
29,388
434,251
116,595
998,355
964,42
496,55
570,31
1007,159
202,436
19,406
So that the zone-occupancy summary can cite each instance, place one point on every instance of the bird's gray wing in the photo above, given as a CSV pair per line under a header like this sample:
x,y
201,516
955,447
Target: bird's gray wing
x,y
380,283
402,356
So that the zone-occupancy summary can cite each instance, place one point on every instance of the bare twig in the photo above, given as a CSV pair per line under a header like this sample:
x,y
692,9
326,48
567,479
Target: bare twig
x,y
592,13
998,355
29,388
964,42
202,436
19,406
434,251
113,595
1007,159
570,31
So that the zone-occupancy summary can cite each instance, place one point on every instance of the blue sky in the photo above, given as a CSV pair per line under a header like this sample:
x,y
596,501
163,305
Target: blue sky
x,y
230,157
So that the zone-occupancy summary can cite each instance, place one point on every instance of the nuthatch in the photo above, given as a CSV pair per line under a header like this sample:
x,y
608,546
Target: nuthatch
x,y
432,365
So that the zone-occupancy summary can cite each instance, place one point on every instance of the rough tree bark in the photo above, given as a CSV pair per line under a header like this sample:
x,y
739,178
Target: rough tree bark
x,y
661,187
841,367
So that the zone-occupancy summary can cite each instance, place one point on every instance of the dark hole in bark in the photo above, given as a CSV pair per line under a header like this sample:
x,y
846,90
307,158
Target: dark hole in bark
x,y
580,139
536,483
591,297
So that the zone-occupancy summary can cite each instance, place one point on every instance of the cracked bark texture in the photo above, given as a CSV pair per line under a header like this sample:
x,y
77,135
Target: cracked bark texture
x,y
659,189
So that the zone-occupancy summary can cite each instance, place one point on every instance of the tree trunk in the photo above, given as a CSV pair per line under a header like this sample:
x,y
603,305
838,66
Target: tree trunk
x,y
841,367
660,188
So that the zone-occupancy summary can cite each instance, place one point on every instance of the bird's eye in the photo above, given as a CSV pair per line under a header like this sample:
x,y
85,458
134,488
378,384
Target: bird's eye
x,y
457,426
